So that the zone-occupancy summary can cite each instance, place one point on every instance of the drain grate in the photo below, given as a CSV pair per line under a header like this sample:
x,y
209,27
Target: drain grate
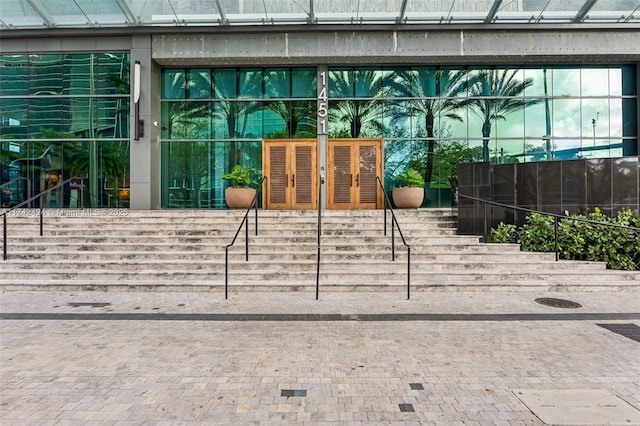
x,y
293,392
406,408
558,303
88,304
630,331
416,386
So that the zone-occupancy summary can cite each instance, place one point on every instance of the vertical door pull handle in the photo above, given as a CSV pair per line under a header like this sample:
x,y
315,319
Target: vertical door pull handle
x,y
358,180
293,180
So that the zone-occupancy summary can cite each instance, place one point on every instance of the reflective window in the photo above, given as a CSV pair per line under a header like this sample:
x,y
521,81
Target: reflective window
x,y
431,118
74,123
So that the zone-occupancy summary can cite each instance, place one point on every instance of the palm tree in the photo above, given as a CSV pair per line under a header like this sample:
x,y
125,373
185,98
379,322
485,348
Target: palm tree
x,y
358,114
434,91
494,94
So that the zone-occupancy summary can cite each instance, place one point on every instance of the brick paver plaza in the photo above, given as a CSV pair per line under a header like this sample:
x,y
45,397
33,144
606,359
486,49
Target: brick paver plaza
x,y
348,358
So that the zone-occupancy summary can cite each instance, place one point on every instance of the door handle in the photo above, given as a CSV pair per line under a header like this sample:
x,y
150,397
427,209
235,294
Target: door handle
x,y
358,180
293,180
350,179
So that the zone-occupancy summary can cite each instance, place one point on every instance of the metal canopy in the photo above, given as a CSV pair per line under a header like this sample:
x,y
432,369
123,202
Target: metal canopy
x,y
34,14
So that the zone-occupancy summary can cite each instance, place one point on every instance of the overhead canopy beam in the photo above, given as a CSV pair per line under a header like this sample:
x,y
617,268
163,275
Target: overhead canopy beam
x,y
223,18
582,13
403,11
48,20
131,18
492,12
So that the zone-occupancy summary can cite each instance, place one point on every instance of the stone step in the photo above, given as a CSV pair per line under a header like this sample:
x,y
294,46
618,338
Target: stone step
x,y
395,290
447,254
360,263
331,273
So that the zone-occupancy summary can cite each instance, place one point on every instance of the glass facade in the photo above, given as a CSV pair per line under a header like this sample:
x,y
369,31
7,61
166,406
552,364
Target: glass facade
x,y
65,116
213,119
430,118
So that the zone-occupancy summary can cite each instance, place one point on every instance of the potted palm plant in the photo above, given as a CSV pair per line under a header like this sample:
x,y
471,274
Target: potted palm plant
x,y
410,190
239,195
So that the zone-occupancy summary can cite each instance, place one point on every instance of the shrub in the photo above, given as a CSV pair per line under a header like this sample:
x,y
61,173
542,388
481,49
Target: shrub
x,y
504,233
580,240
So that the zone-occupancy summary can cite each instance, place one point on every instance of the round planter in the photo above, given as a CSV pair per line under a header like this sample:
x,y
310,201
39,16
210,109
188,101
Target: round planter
x,y
407,198
239,198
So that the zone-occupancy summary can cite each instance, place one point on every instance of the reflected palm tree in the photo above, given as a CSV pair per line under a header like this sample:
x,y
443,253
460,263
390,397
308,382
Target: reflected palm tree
x,y
235,113
358,114
291,112
493,94
436,91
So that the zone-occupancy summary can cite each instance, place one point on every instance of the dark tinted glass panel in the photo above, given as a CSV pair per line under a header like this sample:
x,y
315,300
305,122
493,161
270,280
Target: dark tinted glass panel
x,y
225,83
341,83
277,119
574,182
625,183
198,84
277,83
250,83
13,113
629,82
304,82
598,183
113,71
80,74
368,83
550,186
173,84
192,171
186,120
304,122
45,75
45,114
425,82
14,75
48,163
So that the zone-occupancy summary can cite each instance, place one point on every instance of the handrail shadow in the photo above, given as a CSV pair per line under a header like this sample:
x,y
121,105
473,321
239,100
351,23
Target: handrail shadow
x,y
28,201
394,224
555,216
245,222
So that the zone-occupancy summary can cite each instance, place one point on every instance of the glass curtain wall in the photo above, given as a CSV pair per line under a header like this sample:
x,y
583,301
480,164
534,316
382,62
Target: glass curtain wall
x,y
431,119
65,116
213,119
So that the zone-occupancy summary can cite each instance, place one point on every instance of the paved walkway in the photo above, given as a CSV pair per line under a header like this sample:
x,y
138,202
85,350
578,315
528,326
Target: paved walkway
x,y
348,358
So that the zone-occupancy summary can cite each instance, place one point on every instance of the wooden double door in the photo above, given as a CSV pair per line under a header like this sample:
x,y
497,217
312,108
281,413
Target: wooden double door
x,y
291,169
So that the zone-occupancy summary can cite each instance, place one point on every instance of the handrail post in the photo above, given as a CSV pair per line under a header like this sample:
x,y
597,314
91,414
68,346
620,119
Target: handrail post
x,y
555,232
246,238
408,273
385,217
226,272
393,240
4,236
255,207
486,240
319,238
41,220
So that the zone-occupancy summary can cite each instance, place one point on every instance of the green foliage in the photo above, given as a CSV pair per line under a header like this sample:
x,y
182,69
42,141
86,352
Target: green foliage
x,y
239,177
537,234
504,233
580,237
410,178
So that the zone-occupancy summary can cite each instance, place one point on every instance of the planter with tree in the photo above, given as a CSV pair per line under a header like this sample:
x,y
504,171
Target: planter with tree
x,y
409,193
239,195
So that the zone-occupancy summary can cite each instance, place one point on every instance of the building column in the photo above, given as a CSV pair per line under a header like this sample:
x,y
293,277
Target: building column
x,y
144,158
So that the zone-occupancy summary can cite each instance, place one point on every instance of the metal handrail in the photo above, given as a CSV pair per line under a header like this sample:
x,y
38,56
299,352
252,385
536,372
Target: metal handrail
x,y
394,224
319,235
554,215
28,201
18,179
245,221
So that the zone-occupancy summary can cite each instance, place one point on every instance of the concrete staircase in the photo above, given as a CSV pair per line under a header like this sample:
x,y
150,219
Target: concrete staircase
x,y
183,250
